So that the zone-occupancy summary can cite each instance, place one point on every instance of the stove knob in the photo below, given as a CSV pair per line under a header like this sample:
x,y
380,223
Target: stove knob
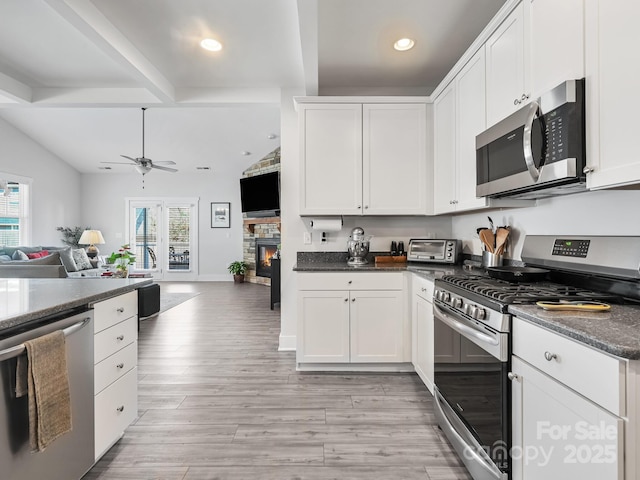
x,y
446,297
436,294
480,314
473,311
467,309
456,302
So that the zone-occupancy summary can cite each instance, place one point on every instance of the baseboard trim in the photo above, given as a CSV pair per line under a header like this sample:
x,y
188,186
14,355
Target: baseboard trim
x,y
287,343
356,367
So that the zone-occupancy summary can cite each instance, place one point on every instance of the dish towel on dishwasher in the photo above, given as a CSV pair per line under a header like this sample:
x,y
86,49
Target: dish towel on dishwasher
x,y
42,374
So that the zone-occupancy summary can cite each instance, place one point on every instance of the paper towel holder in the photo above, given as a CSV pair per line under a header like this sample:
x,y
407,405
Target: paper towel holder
x,y
332,228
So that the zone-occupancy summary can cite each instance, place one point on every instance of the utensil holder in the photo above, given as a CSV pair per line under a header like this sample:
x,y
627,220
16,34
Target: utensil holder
x,y
491,259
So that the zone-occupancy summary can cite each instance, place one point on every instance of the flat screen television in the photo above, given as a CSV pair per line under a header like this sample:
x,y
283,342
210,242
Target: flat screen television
x,y
260,195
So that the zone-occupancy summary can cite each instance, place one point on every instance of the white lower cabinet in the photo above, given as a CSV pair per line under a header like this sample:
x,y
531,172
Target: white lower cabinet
x,y
115,368
422,330
558,431
351,325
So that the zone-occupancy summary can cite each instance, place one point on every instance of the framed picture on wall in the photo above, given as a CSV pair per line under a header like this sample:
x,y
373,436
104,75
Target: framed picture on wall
x,y
220,215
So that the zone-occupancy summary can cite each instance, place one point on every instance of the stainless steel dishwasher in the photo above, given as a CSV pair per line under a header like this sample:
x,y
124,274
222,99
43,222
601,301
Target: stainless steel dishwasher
x,y
72,455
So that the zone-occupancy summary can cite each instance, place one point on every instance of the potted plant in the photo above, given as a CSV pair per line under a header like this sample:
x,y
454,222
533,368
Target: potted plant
x,y
238,269
122,259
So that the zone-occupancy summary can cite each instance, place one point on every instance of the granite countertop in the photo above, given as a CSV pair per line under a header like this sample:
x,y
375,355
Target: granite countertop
x,y
26,299
616,332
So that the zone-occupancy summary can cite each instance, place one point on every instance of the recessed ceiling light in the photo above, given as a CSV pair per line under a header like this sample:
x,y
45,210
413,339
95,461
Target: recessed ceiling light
x,y
104,168
404,44
245,153
211,44
203,168
271,136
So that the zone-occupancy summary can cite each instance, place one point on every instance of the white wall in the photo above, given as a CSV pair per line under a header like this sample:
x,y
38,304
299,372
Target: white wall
x,y
55,193
590,213
104,207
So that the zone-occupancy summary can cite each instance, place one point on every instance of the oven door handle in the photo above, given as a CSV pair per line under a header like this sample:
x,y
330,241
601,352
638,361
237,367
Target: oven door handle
x,y
473,455
465,329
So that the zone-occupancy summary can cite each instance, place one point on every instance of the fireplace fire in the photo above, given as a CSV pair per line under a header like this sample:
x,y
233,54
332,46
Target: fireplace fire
x,y
265,249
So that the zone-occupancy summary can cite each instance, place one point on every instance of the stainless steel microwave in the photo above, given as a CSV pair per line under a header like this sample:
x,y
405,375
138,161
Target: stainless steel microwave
x,y
538,151
434,251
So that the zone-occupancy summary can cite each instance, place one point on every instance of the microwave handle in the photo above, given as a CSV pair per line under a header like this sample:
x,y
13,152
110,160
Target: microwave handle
x,y
534,109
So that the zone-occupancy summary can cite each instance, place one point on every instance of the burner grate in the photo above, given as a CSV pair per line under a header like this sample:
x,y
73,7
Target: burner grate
x,y
522,293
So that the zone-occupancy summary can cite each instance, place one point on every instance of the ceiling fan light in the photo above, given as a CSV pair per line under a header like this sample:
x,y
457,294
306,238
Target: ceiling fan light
x,y
143,169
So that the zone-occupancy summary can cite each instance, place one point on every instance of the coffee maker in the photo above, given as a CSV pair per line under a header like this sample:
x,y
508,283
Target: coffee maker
x,y
358,247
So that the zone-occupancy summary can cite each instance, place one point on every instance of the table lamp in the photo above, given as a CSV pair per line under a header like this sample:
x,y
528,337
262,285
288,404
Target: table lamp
x,y
91,238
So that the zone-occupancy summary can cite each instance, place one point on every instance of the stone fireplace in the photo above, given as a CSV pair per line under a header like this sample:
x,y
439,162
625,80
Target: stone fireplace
x,y
265,249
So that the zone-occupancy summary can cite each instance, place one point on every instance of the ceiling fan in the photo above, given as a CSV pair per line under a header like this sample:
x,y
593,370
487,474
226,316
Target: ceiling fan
x,y
144,165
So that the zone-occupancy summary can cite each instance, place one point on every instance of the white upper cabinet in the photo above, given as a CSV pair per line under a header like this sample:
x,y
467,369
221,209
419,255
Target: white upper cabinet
x,y
460,115
394,159
507,66
363,159
613,69
331,159
556,43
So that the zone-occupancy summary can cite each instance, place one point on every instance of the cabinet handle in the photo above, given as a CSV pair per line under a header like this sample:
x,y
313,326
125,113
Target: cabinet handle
x,y
120,365
366,207
120,408
587,170
346,299
512,376
120,310
550,356
353,299
423,289
525,96
120,337
359,207
350,282
517,101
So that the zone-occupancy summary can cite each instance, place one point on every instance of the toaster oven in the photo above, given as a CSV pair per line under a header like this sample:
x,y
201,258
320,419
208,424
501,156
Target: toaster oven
x,y
430,250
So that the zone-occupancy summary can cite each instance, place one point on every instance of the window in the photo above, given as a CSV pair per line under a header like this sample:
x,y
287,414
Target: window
x,y
14,224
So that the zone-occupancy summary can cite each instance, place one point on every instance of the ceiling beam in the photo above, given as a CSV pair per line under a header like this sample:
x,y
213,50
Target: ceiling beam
x,y
89,21
14,89
308,24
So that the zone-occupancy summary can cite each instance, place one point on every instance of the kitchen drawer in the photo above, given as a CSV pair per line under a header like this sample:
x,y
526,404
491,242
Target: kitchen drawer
x,y
115,408
114,310
350,281
115,366
423,287
594,374
114,338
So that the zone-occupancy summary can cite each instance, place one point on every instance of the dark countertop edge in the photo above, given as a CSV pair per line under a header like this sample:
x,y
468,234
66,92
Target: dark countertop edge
x,y
88,300
430,271
558,326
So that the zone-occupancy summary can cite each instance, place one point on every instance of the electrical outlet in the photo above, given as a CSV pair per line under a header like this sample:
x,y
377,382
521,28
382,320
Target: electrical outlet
x,y
306,238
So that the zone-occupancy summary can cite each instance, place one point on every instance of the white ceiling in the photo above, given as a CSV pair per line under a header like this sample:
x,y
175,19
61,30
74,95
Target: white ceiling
x,y
74,73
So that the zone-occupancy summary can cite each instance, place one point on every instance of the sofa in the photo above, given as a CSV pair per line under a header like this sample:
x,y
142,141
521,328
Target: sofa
x,y
44,262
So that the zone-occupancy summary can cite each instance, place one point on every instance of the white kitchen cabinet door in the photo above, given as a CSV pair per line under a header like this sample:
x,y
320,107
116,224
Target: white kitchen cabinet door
x,y
556,45
331,159
323,327
471,120
612,68
444,161
562,434
377,327
507,67
394,159
422,351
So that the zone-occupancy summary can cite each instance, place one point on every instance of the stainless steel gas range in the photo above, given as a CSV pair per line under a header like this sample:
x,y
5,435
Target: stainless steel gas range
x,y
472,391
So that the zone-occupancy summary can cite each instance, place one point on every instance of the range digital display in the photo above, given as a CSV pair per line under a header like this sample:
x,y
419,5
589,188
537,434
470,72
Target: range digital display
x,y
571,248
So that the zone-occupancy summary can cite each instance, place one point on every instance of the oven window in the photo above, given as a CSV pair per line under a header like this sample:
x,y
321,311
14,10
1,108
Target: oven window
x,y
428,248
475,386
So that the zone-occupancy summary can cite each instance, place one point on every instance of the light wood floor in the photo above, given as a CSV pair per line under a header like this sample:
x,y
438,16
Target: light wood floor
x,y
218,401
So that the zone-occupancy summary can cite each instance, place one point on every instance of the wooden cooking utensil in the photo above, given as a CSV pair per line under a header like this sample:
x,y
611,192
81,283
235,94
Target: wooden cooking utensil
x,y
488,238
501,240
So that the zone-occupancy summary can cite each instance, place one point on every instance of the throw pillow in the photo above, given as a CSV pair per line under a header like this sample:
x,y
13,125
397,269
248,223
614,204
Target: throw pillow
x,y
67,260
53,259
41,254
19,255
5,258
81,259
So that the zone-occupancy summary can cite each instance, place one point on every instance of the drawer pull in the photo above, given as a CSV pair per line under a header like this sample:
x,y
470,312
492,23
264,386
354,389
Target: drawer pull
x,y
120,409
550,356
512,376
424,289
353,299
350,282
120,310
346,299
120,365
120,337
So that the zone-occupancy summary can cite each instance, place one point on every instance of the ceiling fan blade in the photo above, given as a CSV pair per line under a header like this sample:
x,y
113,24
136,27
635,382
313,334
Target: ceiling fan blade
x,y
132,159
117,163
165,162
166,169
